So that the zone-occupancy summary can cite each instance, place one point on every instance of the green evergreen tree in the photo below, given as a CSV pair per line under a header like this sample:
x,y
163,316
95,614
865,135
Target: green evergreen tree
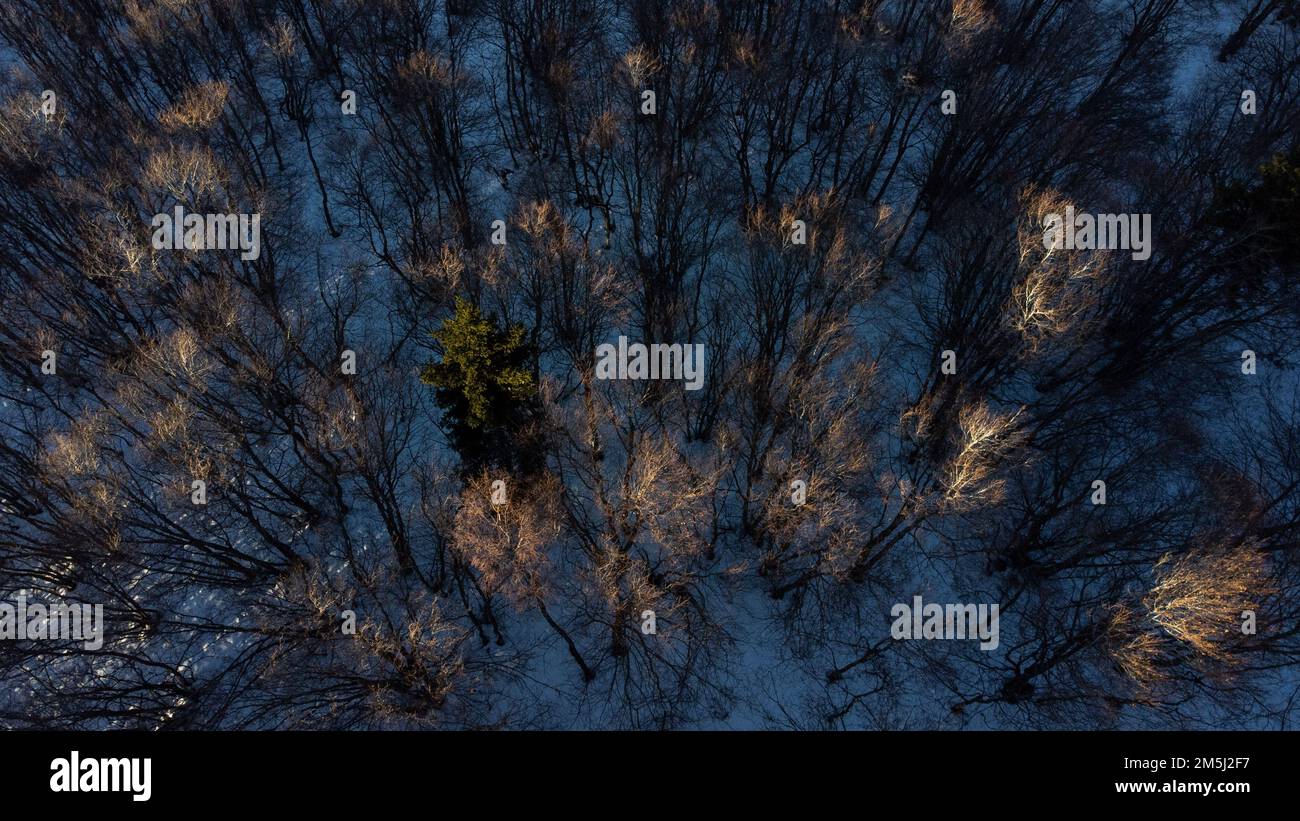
x,y
485,387
1261,218
1266,212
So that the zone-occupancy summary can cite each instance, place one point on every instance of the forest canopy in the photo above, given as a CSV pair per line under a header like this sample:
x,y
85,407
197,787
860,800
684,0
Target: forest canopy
x,y
347,457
